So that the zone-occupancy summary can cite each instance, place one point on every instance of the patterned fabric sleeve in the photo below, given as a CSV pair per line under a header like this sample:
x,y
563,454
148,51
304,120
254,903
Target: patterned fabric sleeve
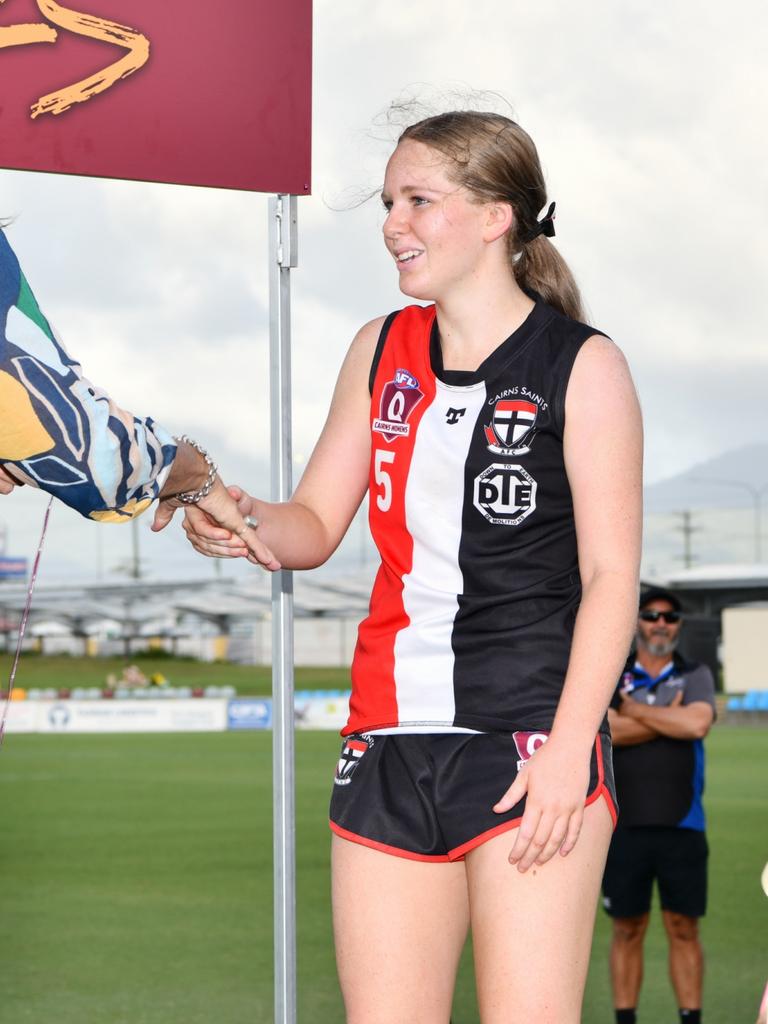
x,y
59,432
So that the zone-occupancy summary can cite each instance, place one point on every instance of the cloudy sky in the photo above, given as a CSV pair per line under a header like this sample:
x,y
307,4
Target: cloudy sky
x,y
650,121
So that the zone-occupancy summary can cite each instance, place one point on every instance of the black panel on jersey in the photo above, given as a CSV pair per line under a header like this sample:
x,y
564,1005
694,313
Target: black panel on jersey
x,y
521,586
379,349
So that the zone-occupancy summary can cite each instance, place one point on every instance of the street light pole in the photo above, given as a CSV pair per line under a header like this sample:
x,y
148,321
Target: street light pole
x,y
757,496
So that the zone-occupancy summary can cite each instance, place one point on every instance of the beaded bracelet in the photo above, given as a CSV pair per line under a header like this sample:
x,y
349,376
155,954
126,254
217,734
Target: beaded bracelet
x,y
193,497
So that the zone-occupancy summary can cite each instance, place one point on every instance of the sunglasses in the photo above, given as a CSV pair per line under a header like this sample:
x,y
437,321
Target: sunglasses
x,y
653,616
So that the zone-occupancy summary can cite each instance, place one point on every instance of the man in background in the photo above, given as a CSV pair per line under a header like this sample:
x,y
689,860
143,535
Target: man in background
x,y
663,708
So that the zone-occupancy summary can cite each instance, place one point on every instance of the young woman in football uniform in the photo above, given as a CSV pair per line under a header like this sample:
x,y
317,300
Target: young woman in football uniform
x,y
500,440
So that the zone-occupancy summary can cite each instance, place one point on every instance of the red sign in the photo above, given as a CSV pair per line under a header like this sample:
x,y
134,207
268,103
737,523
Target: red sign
x,y
197,93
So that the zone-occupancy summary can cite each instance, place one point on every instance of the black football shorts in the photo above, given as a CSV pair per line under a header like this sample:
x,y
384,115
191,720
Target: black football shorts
x,y
430,796
676,858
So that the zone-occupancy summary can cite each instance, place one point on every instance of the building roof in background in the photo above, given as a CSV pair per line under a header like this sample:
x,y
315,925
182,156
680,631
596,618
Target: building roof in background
x,y
716,576
137,601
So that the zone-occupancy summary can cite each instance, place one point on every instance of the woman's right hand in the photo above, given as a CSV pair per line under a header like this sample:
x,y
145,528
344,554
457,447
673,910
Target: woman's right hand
x,y
201,525
7,483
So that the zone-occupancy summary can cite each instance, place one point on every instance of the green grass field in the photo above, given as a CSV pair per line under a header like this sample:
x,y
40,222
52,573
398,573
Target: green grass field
x,y
136,875
68,672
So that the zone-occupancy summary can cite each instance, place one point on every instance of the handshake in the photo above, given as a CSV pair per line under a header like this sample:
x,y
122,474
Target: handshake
x,y
219,521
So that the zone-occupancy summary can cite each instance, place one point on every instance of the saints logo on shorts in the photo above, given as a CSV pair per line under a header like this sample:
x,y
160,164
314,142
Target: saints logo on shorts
x,y
351,755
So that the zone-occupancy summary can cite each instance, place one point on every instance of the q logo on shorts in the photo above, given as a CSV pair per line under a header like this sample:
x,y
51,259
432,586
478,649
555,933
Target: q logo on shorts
x,y
527,744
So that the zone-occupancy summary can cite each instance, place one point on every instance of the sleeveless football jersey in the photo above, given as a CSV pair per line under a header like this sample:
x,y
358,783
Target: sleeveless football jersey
x,y
472,610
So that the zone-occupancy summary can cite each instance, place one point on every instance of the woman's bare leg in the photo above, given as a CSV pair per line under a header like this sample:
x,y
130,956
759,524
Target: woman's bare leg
x,y
399,926
532,932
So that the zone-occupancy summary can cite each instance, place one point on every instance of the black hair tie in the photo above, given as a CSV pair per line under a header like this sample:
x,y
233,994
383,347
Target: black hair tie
x,y
546,226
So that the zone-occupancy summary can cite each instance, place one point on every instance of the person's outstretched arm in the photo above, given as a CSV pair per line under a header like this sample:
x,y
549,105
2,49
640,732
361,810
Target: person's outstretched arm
x,y
57,430
305,531
68,437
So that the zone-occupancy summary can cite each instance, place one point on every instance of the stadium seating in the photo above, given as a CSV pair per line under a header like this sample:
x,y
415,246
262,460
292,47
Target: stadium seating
x,y
753,702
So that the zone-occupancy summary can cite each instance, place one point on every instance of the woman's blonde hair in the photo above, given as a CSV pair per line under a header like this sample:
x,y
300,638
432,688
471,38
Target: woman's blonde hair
x,y
492,157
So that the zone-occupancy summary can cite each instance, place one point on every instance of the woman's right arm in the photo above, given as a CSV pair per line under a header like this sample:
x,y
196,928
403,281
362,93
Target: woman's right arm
x,y
304,532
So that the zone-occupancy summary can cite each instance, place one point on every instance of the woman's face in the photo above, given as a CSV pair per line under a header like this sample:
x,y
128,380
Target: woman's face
x,y
433,229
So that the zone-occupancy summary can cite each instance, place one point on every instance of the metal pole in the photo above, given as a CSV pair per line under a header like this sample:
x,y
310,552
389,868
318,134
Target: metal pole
x,y
759,514
282,256
135,559
758,517
756,493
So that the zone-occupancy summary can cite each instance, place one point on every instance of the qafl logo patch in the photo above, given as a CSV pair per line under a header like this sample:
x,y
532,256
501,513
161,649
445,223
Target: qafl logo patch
x,y
512,427
351,756
527,744
399,397
505,494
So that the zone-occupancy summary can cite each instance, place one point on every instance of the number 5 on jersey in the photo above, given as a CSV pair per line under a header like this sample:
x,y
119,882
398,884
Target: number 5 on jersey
x,y
383,479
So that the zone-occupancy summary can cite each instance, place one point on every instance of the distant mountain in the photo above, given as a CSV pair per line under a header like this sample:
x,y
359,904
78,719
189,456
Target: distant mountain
x,y
695,488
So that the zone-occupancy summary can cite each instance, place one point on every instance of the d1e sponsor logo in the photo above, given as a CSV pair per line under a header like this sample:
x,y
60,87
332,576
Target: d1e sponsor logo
x,y
527,744
505,494
351,755
399,397
511,430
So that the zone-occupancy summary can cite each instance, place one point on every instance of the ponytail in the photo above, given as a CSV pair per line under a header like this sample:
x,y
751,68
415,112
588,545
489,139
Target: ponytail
x,y
539,267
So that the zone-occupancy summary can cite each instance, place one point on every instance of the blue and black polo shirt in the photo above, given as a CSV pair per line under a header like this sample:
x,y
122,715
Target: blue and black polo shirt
x,y
661,781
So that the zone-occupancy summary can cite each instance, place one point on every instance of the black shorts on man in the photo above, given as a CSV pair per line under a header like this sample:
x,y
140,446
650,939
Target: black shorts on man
x,y
675,857
430,796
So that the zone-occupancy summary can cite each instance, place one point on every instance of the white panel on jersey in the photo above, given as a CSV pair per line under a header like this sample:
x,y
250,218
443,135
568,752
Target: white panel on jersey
x,y
434,502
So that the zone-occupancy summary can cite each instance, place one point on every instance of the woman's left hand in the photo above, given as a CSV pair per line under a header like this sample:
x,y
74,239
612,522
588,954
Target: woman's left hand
x,y
555,783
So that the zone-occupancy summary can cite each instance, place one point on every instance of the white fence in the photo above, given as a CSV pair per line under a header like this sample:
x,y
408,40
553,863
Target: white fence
x,y
313,710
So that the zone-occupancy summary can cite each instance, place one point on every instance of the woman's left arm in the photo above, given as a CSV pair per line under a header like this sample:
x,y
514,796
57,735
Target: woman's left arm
x,y
603,459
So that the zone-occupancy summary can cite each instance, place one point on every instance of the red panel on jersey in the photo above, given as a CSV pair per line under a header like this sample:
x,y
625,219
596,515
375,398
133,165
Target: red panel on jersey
x,y
403,390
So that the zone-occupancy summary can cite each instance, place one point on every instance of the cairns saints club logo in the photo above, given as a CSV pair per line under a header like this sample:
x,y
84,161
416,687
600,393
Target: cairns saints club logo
x,y
512,427
351,756
399,397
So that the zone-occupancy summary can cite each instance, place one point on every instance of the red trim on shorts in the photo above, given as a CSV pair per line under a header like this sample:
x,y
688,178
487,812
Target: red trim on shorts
x,y
459,852
384,848
601,789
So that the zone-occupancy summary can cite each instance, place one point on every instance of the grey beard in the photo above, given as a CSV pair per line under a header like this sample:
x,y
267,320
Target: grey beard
x,y
658,650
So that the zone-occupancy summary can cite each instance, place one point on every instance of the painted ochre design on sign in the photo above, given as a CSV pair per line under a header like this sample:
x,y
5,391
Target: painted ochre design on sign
x,y
80,24
21,35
